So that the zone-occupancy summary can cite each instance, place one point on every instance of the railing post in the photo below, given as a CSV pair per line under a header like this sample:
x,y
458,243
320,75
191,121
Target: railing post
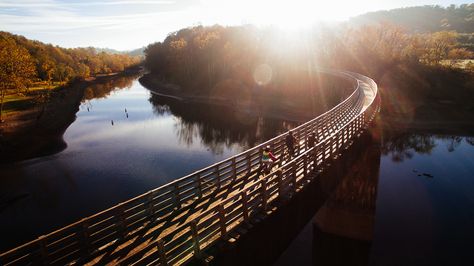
x,y
177,197
85,237
218,177
280,183
222,220
199,184
151,207
245,210
343,137
234,169
282,153
305,166
121,226
162,252
195,235
249,163
43,250
293,176
324,147
315,157
263,188
363,120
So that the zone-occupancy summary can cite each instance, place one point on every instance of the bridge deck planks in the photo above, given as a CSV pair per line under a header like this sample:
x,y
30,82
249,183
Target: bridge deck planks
x,y
181,216
157,227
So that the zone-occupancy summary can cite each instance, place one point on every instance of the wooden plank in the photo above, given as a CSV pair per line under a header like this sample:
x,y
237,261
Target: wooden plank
x,y
335,127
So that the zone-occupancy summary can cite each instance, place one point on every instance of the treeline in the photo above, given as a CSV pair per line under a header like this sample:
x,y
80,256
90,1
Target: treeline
x,y
229,59
424,19
45,62
242,64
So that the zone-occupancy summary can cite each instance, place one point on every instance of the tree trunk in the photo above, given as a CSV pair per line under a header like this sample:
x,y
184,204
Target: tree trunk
x,y
1,105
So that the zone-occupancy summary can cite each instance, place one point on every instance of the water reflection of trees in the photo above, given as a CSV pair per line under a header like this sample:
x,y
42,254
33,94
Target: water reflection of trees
x,y
402,145
102,89
470,140
218,127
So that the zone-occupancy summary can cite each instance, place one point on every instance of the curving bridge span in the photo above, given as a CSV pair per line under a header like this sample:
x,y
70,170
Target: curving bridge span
x,y
177,222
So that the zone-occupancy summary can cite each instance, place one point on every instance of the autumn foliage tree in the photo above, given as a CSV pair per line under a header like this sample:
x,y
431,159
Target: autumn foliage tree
x,y
53,63
24,61
16,68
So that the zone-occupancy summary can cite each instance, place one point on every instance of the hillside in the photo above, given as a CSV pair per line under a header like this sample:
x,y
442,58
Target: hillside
x,y
46,62
134,52
423,19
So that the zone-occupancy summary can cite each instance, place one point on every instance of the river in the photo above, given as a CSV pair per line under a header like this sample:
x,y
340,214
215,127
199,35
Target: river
x,y
409,200
124,142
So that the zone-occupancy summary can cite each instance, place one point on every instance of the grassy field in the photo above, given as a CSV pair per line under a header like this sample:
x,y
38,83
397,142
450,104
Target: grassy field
x,y
462,64
19,101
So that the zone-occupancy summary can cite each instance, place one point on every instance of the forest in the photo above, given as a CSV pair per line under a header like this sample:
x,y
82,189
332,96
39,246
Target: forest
x,y
228,60
418,35
27,65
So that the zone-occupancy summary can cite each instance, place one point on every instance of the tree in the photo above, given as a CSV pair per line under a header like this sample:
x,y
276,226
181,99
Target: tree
x,y
16,68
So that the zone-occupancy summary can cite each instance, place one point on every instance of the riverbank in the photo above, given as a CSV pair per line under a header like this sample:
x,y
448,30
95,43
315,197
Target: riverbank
x,y
38,129
427,99
254,102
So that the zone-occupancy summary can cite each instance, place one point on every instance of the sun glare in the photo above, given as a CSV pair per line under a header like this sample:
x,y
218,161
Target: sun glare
x,y
288,15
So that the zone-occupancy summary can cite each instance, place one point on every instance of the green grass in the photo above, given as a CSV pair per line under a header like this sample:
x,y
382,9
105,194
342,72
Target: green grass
x,y
15,102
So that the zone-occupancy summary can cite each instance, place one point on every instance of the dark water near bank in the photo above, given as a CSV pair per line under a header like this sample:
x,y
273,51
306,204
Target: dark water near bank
x,y
113,155
422,213
409,199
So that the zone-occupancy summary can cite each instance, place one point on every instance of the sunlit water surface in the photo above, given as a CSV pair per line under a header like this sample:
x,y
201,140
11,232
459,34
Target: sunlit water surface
x,y
124,142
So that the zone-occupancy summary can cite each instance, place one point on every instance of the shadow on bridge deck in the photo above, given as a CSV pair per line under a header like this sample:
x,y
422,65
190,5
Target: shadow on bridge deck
x,y
335,241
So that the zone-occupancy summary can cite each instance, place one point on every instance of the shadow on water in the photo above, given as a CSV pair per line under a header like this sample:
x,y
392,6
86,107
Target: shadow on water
x,y
218,126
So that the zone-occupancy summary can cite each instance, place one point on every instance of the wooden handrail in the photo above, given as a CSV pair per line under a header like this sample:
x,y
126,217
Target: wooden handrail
x,y
87,238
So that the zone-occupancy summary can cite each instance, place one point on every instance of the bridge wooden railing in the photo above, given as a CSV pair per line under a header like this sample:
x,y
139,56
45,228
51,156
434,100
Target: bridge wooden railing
x,y
100,233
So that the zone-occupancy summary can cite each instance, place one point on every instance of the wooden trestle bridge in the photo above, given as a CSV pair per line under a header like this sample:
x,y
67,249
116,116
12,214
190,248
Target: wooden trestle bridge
x,y
177,222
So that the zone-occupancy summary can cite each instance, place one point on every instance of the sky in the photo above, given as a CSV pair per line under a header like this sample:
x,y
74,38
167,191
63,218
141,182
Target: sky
x,y
130,24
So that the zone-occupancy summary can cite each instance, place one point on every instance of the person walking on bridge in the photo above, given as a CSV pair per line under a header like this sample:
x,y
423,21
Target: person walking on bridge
x,y
290,143
268,159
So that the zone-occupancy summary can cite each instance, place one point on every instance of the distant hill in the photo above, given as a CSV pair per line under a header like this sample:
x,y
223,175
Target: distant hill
x,y
135,52
422,19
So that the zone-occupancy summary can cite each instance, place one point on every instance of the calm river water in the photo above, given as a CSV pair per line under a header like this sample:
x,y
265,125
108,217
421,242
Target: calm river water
x,y
409,200
124,142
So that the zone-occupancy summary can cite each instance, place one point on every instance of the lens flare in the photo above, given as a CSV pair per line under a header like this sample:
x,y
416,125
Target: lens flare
x,y
263,74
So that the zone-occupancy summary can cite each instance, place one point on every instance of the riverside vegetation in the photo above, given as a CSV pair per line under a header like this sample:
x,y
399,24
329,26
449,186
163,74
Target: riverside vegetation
x,y
41,87
266,70
411,64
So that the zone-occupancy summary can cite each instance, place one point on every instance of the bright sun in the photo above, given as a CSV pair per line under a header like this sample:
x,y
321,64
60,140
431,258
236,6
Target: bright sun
x,y
290,14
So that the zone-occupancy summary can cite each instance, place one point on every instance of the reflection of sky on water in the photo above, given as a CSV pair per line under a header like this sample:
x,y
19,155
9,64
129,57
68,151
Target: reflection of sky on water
x,y
104,164
422,220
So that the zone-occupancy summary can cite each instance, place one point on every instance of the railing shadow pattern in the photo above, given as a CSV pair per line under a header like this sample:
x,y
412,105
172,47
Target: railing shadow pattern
x,y
178,221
